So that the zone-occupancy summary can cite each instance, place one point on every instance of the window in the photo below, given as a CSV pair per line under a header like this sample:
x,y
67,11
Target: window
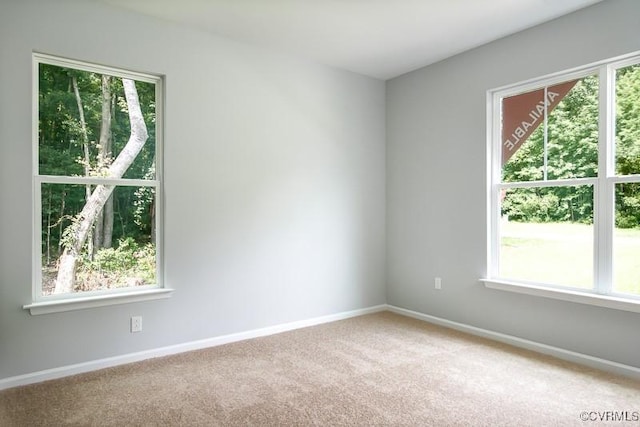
x,y
97,183
564,186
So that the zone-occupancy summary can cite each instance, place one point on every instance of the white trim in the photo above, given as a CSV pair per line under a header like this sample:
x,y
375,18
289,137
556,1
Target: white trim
x,y
159,175
625,61
36,187
92,67
84,302
571,182
621,179
93,365
96,180
607,301
560,353
603,194
492,156
36,241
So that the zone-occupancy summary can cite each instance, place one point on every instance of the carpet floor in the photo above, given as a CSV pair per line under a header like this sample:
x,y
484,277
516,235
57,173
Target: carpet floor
x,y
380,369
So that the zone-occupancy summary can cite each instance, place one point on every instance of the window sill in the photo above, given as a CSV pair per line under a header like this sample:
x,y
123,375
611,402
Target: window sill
x,y
81,303
607,301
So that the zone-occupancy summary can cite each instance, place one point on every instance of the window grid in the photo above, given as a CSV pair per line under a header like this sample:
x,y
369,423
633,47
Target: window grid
x,y
603,185
40,179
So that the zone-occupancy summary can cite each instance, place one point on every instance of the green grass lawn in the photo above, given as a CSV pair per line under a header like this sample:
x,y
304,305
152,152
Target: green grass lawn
x,y
562,253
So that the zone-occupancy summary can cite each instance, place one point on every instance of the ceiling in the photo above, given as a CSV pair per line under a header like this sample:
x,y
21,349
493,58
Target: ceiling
x,y
378,38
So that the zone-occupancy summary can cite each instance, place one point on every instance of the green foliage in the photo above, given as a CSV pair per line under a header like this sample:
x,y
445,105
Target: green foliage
x,y
531,207
628,145
628,205
549,204
68,239
60,152
144,203
128,262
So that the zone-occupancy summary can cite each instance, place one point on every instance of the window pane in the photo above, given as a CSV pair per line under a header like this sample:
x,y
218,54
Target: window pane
x,y
626,240
567,121
546,235
628,120
117,251
84,123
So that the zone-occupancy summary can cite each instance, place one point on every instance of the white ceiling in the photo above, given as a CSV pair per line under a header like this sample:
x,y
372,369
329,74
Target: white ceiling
x,y
379,38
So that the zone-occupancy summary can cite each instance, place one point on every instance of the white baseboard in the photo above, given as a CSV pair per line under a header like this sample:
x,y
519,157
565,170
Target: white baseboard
x,y
93,365
560,353
64,371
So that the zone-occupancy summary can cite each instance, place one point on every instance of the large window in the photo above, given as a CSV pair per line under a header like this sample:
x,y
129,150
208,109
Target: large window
x,y
97,188
564,191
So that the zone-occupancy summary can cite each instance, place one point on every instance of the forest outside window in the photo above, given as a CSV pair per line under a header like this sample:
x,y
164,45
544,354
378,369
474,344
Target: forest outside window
x,y
564,191
97,181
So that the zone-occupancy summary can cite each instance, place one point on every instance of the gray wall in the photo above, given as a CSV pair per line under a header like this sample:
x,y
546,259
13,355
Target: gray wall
x,y
436,210
275,186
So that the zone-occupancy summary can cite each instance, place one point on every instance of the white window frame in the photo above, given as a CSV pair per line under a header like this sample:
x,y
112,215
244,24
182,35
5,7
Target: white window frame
x,y
43,304
603,187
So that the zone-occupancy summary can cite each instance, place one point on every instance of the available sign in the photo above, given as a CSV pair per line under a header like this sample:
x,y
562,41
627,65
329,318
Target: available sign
x,y
522,114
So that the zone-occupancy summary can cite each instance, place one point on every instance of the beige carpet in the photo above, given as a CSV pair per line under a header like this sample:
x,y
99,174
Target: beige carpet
x,y
380,369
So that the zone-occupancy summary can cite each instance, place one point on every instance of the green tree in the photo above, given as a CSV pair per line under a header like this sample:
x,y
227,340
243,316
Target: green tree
x,y
572,147
84,125
628,145
76,234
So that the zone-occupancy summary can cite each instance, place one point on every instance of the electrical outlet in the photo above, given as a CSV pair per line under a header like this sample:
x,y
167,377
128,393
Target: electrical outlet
x,y
136,324
438,283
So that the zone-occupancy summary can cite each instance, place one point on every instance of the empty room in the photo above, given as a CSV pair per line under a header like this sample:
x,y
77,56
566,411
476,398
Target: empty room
x,y
294,212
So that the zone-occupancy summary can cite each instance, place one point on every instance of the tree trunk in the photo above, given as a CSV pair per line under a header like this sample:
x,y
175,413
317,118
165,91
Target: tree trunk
x,y
104,157
60,221
65,281
85,144
104,153
107,226
98,233
108,211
